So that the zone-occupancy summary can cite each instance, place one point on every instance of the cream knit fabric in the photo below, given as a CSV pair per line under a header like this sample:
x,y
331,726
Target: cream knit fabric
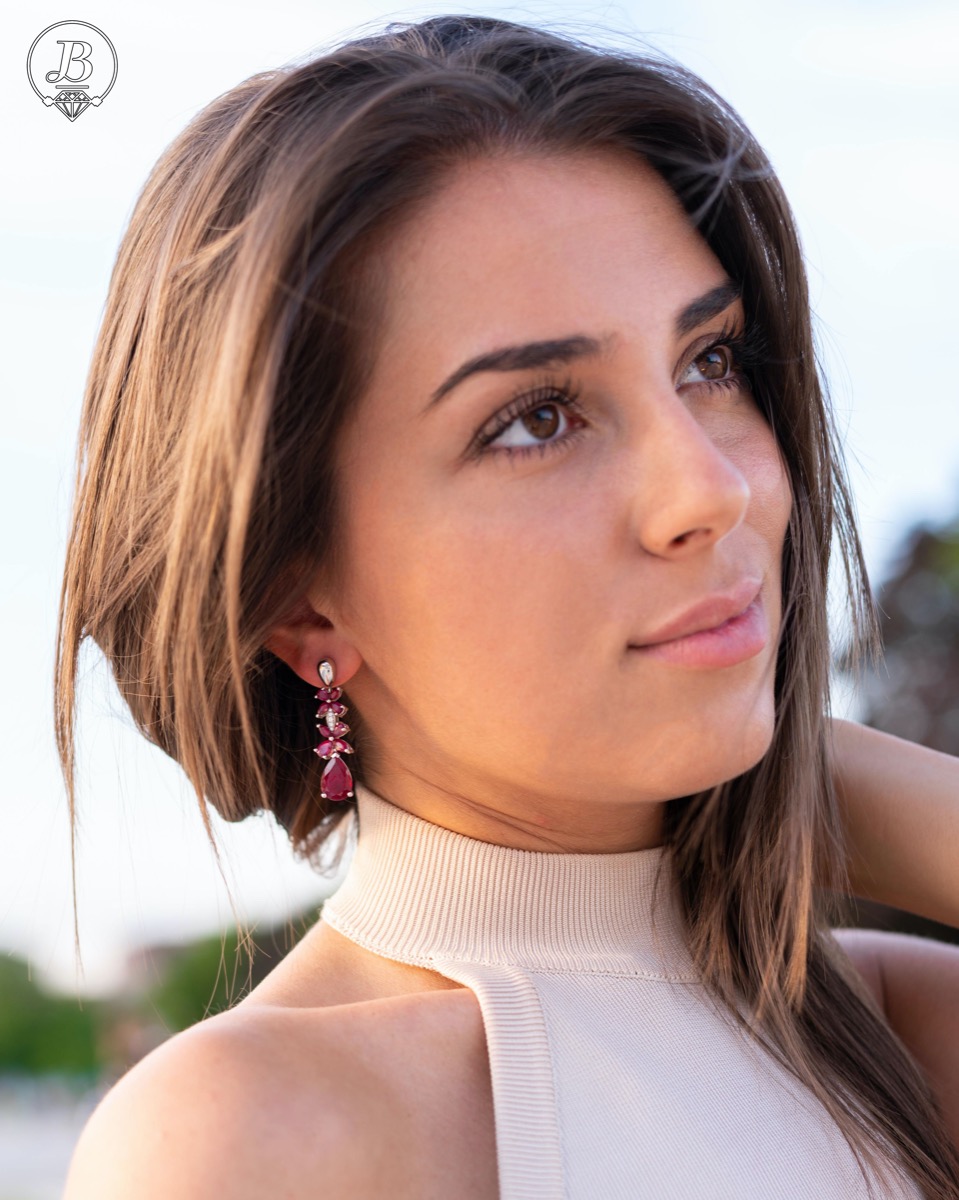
x,y
614,1077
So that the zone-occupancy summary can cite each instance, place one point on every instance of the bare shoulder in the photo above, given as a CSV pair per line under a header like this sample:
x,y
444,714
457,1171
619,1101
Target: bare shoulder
x,y
342,1075
236,1107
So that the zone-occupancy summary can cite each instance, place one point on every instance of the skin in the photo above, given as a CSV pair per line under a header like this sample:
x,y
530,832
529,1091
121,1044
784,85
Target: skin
x,y
483,623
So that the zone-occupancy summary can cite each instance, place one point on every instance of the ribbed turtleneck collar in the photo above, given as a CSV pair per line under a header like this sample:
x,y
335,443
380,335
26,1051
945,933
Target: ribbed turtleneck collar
x,y
422,894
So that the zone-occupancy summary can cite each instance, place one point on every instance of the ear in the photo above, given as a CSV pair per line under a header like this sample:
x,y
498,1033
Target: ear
x,y
304,637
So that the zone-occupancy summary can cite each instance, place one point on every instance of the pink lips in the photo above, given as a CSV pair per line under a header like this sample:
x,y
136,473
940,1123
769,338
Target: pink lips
x,y
712,610
734,641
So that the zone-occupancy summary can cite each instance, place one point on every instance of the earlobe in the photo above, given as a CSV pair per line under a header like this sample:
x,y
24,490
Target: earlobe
x,y
304,637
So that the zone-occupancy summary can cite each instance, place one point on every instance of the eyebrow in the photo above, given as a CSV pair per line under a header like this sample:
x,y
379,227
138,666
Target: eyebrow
x,y
559,351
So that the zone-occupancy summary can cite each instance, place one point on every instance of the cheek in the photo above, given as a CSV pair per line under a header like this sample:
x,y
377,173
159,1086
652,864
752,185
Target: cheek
x,y
504,570
764,467
769,512
442,584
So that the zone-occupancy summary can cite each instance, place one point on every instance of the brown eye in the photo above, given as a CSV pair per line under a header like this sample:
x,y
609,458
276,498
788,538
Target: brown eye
x,y
715,363
534,422
550,415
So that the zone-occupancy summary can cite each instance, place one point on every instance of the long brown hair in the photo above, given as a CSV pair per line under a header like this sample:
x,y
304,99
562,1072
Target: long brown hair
x,y
235,339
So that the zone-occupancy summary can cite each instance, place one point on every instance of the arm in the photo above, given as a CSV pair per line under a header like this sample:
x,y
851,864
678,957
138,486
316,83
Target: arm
x,y
916,980
900,807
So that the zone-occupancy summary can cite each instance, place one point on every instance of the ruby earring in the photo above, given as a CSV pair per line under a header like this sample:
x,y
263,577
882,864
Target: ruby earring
x,y
336,782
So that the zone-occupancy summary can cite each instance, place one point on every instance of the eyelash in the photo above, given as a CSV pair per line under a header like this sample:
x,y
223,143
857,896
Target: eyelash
x,y
747,349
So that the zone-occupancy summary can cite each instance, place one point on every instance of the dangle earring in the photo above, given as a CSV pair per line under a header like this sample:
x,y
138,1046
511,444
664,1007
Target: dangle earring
x,y
336,782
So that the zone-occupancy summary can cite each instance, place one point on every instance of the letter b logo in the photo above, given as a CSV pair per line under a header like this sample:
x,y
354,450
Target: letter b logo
x,y
71,66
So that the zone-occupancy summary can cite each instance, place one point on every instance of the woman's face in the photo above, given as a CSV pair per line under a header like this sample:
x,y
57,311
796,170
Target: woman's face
x,y
502,567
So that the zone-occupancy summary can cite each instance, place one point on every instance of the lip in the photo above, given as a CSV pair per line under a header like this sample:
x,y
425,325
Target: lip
x,y
734,641
721,630
708,613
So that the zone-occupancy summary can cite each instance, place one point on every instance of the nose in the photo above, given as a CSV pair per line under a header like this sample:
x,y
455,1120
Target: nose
x,y
690,491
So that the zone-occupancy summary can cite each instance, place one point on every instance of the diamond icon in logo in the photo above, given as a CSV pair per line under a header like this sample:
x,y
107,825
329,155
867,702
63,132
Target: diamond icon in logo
x,y
71,66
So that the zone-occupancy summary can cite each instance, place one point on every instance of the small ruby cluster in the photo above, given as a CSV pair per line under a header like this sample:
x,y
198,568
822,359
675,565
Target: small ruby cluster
x,y
336,782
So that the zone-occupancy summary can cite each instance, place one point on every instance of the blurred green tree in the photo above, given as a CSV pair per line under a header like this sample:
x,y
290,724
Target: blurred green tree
x,y
212,974
41,1032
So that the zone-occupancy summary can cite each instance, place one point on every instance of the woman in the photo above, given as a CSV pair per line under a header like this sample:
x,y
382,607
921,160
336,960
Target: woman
x,y
462,380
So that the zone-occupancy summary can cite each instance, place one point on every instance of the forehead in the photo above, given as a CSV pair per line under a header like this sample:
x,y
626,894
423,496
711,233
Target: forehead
x,y
549,242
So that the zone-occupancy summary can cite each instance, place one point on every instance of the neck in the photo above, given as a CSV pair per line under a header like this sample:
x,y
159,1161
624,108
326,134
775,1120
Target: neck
x,y
553,824
421,893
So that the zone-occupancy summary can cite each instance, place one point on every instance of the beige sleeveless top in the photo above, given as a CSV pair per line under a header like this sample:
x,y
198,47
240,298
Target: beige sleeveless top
x,y
614,1076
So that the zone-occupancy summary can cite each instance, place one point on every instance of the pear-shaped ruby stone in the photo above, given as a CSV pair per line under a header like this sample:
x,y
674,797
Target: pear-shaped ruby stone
x,y
336,782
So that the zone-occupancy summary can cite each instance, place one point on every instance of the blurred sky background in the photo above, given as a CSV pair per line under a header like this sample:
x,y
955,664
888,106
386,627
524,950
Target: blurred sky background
x,y
855,101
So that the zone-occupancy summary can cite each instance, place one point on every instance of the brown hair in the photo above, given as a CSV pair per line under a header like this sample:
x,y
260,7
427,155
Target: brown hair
x,y
235,339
